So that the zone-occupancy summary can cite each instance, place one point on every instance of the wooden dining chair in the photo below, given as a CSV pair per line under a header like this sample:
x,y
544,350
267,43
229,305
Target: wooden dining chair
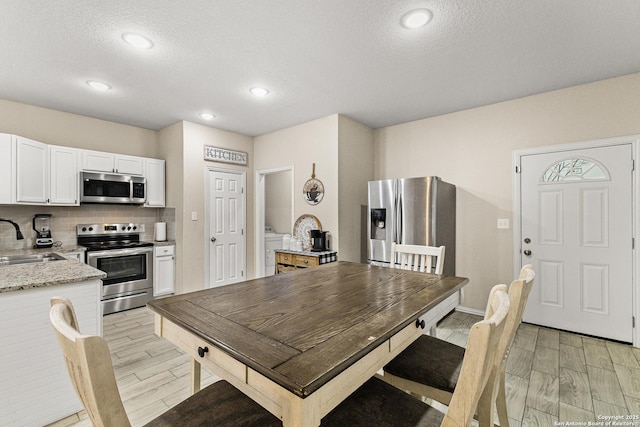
x,y
429,259
379,404
89,365
431,367
425,259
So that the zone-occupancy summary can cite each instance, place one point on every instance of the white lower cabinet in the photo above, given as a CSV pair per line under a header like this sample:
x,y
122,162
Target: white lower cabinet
x,y
164,270
35,385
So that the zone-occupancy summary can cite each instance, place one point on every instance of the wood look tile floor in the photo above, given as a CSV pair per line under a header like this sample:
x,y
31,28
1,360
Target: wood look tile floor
x,y
552,376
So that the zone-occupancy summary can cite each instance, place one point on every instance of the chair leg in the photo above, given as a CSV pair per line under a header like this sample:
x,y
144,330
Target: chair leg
x,y
487,399
501,401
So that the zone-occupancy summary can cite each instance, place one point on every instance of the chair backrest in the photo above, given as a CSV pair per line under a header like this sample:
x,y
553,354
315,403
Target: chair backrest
x,y
519,291
518,295
90,368
428,259
478,362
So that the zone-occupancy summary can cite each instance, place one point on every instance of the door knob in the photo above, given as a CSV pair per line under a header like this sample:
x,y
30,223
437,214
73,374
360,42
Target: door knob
x,y
527,240
527,252
213,239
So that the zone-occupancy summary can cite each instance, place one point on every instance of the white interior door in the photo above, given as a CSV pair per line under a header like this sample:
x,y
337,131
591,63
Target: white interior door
x,y
227,240
576,229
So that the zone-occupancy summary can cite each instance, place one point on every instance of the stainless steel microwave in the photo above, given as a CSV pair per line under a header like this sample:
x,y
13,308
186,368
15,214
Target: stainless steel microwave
x,y
96,187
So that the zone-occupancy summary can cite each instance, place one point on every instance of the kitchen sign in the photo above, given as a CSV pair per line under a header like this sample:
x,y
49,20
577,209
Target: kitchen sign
x,y
218,154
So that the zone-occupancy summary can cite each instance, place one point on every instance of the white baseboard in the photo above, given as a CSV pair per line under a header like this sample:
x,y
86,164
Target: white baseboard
x,y
468,310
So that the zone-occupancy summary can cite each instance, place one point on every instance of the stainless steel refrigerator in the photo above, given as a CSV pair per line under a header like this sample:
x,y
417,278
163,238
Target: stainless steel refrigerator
x,y
412,211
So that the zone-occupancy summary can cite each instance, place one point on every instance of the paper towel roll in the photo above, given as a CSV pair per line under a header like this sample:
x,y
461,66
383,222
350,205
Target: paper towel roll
x,y
160,231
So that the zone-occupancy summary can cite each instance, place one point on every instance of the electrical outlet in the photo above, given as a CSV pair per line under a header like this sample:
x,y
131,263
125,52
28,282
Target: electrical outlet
x,y
503,223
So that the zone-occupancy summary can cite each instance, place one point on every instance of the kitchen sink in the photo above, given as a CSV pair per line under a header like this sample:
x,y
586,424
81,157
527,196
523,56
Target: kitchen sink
x,y
30,259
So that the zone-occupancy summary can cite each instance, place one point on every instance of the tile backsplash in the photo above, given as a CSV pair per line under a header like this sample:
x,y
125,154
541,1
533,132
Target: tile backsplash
x,y
64,220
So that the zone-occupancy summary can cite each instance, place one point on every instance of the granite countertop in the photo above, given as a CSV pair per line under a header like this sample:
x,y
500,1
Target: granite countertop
x,y
164,242
35,275
29,251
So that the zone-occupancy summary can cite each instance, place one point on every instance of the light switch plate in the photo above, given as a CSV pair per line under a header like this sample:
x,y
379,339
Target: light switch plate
x,y
503,223
194,216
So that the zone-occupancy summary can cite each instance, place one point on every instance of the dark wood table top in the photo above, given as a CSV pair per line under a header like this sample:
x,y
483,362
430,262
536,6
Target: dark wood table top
x,y
302,328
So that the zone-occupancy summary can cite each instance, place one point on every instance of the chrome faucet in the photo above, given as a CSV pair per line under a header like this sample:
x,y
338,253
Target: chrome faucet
x,y
19,235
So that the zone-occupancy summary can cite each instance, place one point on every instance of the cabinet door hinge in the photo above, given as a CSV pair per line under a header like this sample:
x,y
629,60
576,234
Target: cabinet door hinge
x,y
518,170
633,243
633,321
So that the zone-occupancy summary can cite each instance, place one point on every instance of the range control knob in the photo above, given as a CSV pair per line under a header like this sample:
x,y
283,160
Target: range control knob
x,y
90,228
134,227
84,228
124,228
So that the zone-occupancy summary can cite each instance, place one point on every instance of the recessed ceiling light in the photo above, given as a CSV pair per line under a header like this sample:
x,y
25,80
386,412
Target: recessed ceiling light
x,y
207,116
137,41
259,91
416,18
98,85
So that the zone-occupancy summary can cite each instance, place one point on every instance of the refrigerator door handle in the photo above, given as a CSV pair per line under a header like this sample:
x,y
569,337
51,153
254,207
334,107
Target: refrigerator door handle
x,y
398,230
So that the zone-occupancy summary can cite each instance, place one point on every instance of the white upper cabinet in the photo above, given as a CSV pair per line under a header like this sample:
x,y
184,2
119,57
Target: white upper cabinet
x,y
45,174
32,171
112,163
154,172
129,164
6,169
64,176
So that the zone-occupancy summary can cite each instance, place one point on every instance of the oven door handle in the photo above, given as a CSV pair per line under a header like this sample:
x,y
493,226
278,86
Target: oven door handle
x,y
119,252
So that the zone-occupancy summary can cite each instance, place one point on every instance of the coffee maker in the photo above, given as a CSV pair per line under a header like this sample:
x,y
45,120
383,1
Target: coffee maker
x,y
318,241
41,225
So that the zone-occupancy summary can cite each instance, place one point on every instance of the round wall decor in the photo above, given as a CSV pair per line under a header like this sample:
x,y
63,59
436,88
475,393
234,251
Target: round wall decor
x,y
313,190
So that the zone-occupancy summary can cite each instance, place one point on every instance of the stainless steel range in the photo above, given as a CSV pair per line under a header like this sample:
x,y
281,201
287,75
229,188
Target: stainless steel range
x,y
117,250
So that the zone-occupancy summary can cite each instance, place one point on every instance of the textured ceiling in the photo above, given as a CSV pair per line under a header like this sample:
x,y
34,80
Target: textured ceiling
x,y
317,57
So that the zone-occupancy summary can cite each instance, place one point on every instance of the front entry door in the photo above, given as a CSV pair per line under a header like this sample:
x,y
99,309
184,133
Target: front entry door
x,y
576,223
226,227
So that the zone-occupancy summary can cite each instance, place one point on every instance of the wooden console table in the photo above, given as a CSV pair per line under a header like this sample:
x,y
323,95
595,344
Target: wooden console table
x,y
292,260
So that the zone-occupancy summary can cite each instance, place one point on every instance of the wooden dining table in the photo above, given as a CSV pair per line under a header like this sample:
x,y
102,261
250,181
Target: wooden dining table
x,y
301,342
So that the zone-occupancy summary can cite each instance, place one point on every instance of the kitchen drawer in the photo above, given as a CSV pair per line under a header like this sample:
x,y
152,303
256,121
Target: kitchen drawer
x,y
284,268
402,339
214,359
305,261
165,250
284,258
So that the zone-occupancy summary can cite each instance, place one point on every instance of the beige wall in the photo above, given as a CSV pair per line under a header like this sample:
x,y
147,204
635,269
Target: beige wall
x,y
473,150
301,146
71,130
170,143
194,236
355,159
